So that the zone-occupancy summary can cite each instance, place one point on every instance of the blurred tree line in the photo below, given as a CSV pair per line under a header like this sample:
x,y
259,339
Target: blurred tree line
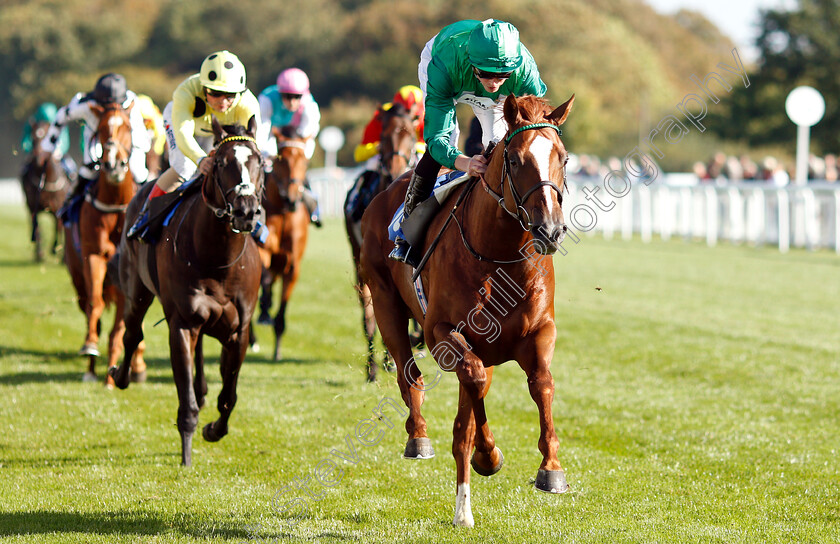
x,y
627,64
796,47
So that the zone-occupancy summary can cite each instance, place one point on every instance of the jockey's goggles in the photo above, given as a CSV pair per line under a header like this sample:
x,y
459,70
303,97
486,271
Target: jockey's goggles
x,y
220,94
481,74
291,96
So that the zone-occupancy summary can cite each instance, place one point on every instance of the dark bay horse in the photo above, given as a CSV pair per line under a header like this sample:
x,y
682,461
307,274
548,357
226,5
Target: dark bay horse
x,y
94,239
45,187
205,270
490,290
396,154
287,220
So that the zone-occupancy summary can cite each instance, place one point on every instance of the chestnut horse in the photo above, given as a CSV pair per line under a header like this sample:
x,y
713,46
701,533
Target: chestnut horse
x,y
94,239
489,284
206,272
45,188
396,154
287,220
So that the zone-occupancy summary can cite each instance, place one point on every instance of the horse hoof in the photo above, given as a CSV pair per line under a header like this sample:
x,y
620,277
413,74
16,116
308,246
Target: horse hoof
x,y
265,319
89,377
551,481
255,348
483,470
419,448
210,435
89,349
137,377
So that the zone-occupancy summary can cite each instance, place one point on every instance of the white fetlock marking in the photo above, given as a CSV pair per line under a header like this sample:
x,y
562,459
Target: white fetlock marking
x,y
463,511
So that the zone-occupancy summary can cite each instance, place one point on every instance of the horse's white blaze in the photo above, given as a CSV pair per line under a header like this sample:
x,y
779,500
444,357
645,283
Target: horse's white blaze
x,y
463,511
541,149
114,122
246,186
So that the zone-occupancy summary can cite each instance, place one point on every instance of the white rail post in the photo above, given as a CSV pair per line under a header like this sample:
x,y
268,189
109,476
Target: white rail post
x,y
784,220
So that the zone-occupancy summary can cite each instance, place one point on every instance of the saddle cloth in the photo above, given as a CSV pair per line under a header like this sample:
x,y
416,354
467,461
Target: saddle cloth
x,y
413,229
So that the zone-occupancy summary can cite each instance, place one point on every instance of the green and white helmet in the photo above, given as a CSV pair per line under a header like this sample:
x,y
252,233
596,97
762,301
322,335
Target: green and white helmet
x,y
494,46
223,71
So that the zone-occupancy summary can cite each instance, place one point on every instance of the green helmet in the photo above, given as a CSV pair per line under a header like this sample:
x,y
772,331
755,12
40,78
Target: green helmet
x,y
45,113
494,47
223,71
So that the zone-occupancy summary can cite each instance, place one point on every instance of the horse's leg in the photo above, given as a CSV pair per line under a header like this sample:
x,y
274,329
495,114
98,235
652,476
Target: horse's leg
x,y
266,283
138,364
393,325
290,277
368,325
56,235
233,353
471,428
137,301
36,237
115,339
199,382
95,267
550,477
182,341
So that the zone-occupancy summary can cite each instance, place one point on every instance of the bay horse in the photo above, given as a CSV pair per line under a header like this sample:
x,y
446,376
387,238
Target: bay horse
x,y
205,270
287,220
489,284
397,144
45,187
94,239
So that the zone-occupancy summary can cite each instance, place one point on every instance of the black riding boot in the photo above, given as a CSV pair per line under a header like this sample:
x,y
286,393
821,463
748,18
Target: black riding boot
x,y
138,228
73,200
419,189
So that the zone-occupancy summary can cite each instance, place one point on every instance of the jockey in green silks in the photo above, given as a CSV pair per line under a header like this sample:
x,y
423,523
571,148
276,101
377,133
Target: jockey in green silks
x,y
478,63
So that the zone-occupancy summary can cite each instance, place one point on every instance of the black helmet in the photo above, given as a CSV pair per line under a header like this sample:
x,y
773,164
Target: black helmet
x,y
110,88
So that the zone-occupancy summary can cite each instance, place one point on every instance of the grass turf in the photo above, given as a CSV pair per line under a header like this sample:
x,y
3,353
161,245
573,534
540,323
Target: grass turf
x,y
696,402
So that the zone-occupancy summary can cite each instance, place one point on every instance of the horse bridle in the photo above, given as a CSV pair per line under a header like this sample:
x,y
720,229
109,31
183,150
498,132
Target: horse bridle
x,y
112,142
519,201
295,144
385,158
227,211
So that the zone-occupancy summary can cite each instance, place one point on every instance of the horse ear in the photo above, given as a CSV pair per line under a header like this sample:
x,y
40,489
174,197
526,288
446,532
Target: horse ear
x,y
96,109
218,131
511,110
559,115
252,125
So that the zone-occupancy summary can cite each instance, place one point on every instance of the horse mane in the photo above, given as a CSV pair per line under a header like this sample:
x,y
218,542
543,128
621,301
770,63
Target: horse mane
x,y
533,108
288,131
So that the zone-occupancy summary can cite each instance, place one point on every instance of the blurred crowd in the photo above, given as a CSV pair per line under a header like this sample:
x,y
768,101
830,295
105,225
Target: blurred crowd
x,y
723,168
728,168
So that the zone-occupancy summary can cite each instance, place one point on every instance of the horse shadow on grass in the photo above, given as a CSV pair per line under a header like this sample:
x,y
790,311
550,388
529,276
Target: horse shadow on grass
x,y
137,523
141,524
43,357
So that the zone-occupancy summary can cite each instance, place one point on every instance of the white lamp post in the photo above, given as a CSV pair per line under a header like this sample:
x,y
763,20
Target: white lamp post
x,y
805,107
331,139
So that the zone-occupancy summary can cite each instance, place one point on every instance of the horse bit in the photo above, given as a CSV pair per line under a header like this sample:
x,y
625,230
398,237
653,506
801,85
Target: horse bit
x,y
241,189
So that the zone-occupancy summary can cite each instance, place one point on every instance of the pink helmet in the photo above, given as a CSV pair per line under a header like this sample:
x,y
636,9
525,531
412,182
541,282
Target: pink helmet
x,y
293,81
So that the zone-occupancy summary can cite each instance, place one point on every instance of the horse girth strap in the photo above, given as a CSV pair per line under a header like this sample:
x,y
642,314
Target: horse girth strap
x,y
105,208
291,143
